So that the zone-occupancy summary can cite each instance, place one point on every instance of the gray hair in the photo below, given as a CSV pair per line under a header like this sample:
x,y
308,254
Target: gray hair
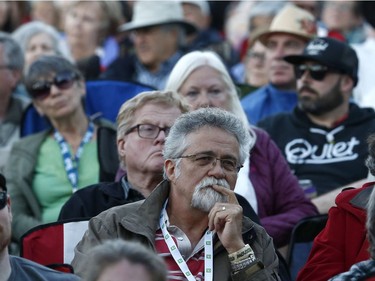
x,y
25,32
192,61
188,123
44,66
12,55
181,34
114,251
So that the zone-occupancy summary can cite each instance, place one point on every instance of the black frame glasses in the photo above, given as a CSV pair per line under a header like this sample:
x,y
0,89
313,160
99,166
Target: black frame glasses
x,y
63,81
148,131
3,199
203,159
317,71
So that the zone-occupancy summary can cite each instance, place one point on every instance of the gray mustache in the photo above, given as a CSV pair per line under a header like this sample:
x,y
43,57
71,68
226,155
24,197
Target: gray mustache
x,y
208,181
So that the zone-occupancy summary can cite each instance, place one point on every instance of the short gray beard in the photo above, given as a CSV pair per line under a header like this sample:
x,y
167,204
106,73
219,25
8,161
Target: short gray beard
x,y
205,197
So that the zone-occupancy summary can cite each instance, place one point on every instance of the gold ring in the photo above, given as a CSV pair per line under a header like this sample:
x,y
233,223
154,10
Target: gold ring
x,y
223,208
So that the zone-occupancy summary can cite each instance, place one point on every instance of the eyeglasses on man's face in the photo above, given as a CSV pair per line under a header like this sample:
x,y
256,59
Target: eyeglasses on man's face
x,y
256,55
317,71
63,81
148,131
203,160
3,199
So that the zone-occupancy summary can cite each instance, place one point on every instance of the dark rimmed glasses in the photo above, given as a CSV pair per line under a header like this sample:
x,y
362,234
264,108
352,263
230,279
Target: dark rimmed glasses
x,y
202,159
3,199
148,131
317,71
42,89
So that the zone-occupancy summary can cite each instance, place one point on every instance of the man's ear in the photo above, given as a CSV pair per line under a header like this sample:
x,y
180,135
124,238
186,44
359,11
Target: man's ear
x,y
121,147
347,84
170,168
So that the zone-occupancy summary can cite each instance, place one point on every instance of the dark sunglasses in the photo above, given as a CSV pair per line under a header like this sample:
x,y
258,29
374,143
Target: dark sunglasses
x,y
3,199
42,89
317,72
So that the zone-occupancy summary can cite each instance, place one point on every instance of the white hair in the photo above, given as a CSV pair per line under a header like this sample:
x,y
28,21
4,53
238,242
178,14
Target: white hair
x,y
192,61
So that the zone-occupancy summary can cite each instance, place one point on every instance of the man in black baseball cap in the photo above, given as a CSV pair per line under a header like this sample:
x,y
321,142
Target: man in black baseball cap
x,y
335,55
324,137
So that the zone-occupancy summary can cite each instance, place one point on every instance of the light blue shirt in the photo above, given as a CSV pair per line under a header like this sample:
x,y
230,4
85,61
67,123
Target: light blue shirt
x,y
156,79
267,101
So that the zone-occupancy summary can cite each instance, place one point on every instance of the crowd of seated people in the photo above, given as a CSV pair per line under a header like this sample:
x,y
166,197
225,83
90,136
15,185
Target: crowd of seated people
x,y
295,74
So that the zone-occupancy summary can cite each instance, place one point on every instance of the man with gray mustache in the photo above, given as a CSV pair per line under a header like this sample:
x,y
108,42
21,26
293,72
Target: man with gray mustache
x,y
193,219
204,197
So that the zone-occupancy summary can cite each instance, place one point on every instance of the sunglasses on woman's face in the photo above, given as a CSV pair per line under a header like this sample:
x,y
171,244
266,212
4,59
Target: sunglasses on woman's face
x,y
63,81
317,72
3,199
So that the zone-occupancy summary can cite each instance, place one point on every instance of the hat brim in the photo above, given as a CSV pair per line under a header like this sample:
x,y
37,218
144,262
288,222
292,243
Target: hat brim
x,y
299,59
263,36
188,27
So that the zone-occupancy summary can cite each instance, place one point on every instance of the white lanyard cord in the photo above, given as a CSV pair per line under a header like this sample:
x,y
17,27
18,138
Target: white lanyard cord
x,y
71,163
208,251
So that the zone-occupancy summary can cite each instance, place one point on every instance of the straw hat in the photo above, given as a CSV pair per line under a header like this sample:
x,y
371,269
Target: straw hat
x,y
291,20
150,13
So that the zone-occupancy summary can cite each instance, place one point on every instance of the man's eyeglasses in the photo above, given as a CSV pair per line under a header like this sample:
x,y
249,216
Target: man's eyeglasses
x,y
3,199
148,131
256,55
42,89
202,159
317,72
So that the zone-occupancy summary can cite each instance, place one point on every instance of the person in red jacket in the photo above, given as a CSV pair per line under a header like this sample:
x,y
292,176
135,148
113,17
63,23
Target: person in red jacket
x,y
343,242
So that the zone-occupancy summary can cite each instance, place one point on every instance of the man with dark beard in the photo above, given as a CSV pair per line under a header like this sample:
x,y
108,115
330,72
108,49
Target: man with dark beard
x,y
324,138
193,219
14,268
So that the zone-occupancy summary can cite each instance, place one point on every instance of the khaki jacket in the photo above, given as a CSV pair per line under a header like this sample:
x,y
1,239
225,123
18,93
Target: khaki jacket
x,y
139,221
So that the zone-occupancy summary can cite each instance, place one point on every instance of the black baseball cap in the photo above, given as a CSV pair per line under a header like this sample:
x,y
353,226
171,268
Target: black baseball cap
x,y
3,182
330,52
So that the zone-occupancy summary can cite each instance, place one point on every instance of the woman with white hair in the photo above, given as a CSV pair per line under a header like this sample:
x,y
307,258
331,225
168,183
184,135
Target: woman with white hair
x,y
267,182
36,39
